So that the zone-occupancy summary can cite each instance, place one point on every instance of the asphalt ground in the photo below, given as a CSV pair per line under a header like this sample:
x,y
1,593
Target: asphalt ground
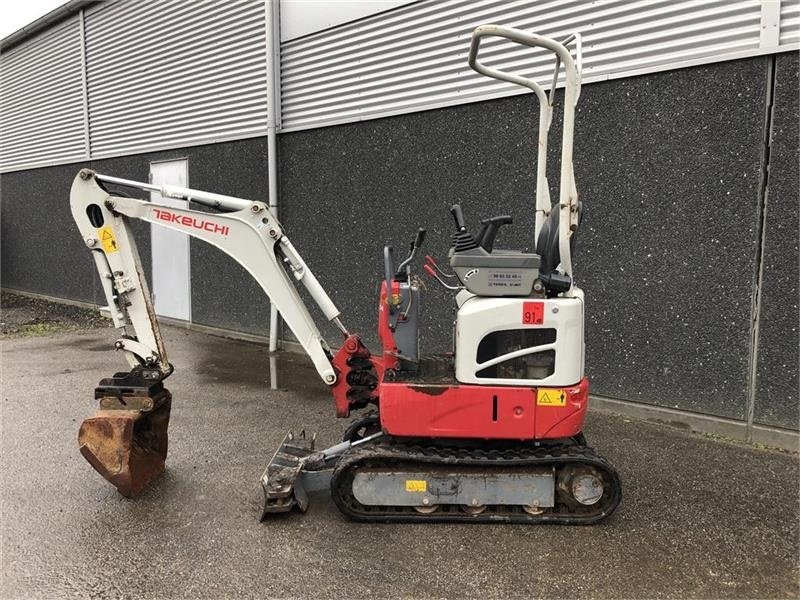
x,y
700,517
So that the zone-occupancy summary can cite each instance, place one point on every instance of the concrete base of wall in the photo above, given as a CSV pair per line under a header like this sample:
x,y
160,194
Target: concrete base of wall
x,y
706,424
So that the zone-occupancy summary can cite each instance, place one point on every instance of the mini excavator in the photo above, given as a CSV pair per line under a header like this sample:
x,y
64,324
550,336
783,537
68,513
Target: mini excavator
x,y
492,431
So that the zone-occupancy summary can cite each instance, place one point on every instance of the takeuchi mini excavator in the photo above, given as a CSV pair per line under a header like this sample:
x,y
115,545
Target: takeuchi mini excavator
x,y
492,431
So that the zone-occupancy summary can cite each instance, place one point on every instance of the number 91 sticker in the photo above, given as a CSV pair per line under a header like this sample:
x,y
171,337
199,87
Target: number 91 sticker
x,y
532,313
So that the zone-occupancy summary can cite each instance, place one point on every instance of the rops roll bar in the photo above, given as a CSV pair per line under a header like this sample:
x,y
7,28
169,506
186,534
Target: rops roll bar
x,y
568,195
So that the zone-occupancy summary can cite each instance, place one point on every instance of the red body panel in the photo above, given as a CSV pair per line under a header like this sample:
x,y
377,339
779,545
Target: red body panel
x,y
563,421
486,412
431,410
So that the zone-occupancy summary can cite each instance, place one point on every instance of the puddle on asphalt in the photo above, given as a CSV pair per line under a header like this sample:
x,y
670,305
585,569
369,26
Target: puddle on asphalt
x,y
241,363
220,360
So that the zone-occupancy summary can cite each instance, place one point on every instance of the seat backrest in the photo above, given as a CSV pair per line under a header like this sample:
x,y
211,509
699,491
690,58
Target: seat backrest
x,y
547,244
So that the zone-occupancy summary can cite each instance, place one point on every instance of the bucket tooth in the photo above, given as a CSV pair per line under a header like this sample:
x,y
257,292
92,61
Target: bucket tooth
x,y
126,440
282,481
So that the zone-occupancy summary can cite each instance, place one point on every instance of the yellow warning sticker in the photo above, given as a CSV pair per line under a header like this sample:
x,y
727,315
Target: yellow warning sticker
x,y
108,240
551,397
416,485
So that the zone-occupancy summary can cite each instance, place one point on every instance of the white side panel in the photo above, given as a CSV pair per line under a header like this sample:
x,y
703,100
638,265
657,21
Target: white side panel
x,y
41,115
170,249
171,73
480,316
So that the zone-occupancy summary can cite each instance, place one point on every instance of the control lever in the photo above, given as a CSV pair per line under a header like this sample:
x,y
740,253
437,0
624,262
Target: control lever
x,y
414,247
432,262
429,270
463,240
482,231
458,217
388,268
489,229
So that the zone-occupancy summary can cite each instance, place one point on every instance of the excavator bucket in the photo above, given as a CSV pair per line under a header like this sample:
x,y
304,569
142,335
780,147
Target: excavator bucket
x,y
126,440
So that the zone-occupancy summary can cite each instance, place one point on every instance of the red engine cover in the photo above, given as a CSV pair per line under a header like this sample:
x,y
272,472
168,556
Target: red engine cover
x,y
482,411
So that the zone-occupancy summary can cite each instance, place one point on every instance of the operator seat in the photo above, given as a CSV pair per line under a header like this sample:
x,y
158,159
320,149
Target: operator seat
x,y
547,247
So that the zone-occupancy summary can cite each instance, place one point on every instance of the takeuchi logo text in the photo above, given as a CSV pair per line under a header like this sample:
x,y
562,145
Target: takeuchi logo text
x,y
186,221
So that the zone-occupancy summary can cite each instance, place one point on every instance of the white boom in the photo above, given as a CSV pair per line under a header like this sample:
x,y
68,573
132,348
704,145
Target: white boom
x,y
248,233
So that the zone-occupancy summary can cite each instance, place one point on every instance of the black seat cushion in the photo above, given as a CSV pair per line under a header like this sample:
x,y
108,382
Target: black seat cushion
x,y
547,244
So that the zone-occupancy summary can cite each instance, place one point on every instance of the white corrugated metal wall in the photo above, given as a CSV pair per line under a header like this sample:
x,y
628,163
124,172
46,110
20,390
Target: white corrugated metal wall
x,y
41,100
415,57
158,74
790,23
171,73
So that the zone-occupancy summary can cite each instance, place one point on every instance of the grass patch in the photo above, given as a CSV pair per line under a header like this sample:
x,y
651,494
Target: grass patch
x,y
24,316
37,329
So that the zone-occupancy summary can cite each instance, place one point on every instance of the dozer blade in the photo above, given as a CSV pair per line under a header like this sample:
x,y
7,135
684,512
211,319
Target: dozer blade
x,y
294,471
297,470
126,441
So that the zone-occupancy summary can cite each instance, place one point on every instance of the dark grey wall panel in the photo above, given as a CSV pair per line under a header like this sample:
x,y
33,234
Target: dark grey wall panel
x,y
347,190
223,293
41,248
668,165
776,401
42,251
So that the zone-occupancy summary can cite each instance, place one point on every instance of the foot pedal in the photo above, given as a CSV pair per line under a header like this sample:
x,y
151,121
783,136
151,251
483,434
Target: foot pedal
x,y
283,486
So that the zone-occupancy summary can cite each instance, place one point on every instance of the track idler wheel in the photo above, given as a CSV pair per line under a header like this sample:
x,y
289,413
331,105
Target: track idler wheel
x,y
126,440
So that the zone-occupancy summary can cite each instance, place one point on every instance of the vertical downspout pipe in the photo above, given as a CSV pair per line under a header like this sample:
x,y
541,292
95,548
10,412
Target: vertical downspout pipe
x,y
272,12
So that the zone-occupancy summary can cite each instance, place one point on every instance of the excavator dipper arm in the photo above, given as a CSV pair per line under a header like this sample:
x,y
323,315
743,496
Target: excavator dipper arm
x,y
126,441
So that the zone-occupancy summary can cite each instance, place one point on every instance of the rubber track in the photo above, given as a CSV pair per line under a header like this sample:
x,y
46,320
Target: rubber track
x,y
394,454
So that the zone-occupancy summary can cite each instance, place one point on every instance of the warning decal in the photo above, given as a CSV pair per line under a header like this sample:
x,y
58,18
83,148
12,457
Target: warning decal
x,y
108,240
551,397
416,485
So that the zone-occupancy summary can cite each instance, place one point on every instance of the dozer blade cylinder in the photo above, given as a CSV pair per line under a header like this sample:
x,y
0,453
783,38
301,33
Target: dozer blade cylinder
x,y
127,447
